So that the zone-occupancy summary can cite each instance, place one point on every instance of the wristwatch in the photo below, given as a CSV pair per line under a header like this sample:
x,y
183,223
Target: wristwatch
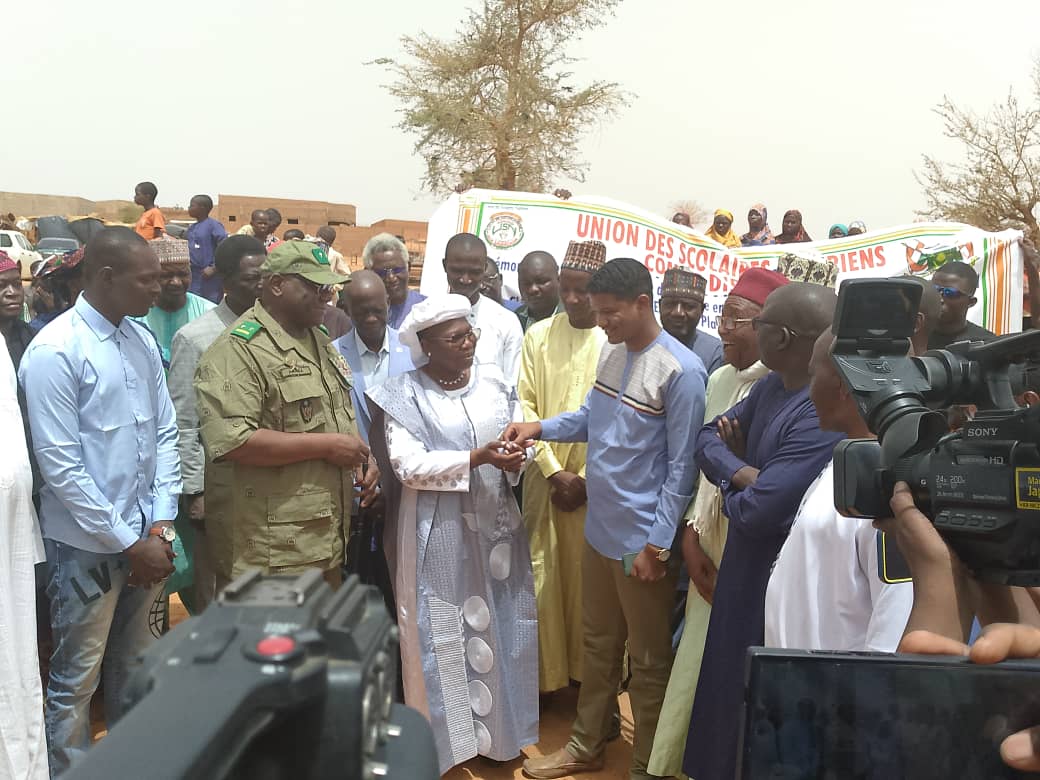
x,y
165,532
661,553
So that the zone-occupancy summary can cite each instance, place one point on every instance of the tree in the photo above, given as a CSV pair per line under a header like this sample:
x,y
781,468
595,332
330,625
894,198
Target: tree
x,y
496,106
997,185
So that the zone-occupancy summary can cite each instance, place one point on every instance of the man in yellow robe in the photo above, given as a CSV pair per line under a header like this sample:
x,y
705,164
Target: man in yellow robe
x,y
557,369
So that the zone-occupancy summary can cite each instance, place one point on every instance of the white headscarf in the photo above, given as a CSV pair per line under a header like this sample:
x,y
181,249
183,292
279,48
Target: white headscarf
x,y
425,314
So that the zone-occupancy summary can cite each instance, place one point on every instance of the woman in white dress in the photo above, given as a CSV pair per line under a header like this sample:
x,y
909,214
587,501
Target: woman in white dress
x,y
455,540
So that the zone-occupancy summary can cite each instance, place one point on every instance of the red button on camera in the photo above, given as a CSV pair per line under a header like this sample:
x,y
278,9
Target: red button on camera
x,y
275,645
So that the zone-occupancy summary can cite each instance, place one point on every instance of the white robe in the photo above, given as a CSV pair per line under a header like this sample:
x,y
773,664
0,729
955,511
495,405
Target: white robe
x,y
824,592
23,745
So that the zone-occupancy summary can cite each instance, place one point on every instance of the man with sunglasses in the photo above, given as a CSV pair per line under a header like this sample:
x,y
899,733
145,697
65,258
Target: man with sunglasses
x,y
280,432
762,454
387,256
956,283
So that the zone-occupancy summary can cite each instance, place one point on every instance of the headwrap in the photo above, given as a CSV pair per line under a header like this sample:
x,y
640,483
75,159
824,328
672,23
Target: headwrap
x,y
6,263
683,284
755,284
804,269
841,229
762,237
61,265
858,223
170,250
425,314
729,238
587,256
798,236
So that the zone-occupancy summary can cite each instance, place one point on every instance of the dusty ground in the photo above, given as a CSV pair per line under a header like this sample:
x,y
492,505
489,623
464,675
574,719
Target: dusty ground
x,y
556,716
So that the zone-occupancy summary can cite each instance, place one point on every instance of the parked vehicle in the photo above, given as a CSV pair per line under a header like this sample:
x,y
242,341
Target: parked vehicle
x,y
48,247
20,250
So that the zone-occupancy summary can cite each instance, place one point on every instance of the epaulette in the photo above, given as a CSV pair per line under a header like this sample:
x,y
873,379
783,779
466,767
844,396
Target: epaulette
x,y
324,330
246,329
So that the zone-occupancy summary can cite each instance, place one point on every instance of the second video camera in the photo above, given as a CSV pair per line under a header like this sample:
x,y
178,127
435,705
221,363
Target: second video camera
x,y
980,485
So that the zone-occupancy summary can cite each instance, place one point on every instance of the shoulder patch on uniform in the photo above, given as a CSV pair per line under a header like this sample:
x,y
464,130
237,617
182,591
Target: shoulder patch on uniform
x,y
324,330
247,329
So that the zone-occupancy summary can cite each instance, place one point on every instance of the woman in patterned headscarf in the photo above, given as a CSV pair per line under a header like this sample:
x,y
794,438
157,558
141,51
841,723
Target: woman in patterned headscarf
x,y
721,229
793,232
758,233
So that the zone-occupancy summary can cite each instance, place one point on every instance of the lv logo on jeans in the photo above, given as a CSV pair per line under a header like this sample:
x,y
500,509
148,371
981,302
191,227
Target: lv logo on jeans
x,y
102,578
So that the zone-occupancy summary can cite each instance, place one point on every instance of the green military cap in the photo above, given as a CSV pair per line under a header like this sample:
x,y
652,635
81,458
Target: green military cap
x,y
302,258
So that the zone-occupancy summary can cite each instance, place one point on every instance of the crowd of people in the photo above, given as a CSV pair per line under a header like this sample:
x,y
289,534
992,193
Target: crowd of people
x,y
572,490
759,234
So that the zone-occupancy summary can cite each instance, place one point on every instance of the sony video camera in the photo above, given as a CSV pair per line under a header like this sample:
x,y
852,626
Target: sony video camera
x,y
980,486
282,677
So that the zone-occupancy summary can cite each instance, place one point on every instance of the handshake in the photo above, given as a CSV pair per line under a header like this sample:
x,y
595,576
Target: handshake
x,y
509,451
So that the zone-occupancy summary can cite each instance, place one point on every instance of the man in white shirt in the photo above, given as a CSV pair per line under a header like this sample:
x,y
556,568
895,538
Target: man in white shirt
x,y
501,336
825,592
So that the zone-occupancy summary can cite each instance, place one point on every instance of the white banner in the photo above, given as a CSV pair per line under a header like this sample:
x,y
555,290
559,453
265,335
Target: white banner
x,y
513,224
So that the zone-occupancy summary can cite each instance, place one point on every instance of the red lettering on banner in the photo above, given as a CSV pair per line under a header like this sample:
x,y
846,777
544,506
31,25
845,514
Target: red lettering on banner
x,y
860,260
604,229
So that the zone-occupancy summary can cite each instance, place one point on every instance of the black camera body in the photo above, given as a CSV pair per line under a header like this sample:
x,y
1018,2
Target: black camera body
x,y
282,677
980,486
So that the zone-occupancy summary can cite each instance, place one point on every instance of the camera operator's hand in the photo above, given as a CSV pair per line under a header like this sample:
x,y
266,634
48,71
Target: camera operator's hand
x,y
942,594
998,642
917,538
731,435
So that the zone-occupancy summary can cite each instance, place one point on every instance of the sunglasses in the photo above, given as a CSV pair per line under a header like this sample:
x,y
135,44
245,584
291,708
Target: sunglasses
x,y
320,289
949,292
399,270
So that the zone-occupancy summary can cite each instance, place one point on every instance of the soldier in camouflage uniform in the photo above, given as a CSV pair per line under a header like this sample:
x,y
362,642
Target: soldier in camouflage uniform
x,y
280,433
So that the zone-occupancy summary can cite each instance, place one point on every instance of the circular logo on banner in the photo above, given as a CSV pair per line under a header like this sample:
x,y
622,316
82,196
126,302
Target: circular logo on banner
x,y
504,230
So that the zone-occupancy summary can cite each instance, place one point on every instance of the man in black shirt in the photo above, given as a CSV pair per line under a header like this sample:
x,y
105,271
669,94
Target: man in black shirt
x,y
956,283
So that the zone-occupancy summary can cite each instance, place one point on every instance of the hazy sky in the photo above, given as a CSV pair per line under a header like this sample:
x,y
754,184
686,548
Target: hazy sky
x,y
822,105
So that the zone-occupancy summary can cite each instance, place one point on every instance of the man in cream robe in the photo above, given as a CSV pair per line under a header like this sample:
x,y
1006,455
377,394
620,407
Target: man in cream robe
x,y
23,745
557,368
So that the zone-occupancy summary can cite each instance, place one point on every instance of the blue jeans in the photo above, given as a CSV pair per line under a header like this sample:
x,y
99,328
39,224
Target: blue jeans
x,y
100,625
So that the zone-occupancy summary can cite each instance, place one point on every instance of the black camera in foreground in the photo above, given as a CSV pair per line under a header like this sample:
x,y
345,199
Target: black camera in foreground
x,y
282,677
980,486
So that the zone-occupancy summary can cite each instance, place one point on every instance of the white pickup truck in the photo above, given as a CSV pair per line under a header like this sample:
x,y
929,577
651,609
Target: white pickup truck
x,y
20,250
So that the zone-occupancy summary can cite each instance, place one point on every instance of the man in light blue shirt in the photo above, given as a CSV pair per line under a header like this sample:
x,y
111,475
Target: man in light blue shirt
x,y
371,348
374,354
640,420
105,435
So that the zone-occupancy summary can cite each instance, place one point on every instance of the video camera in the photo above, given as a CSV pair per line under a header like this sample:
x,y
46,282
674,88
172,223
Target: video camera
x,y
280,678
980,486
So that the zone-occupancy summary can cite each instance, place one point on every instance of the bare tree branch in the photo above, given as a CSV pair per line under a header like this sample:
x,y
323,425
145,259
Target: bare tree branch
x,y
997,183
494,107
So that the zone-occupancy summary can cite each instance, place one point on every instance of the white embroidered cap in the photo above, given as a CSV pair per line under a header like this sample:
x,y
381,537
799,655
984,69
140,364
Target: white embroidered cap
x,y
425,314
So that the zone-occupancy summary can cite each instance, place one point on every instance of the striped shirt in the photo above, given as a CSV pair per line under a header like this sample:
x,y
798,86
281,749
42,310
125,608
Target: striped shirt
x,y
640,420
